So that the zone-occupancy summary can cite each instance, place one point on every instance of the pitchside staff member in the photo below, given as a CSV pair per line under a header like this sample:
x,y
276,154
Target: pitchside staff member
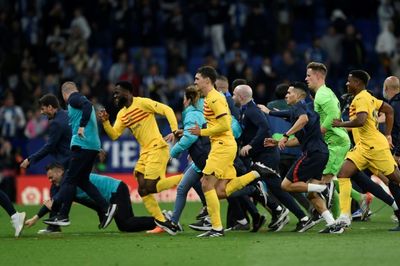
x,y
113,190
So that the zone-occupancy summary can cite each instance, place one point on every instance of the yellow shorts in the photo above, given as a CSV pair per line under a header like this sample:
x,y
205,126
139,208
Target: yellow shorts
x,y
375,160
153,163
220,160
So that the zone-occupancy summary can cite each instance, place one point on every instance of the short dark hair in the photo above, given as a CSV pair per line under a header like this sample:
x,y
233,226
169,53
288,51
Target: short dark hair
x,y
300,86
49,100
361,75
208,72
315,66
54,165
238,82
281,90
126,85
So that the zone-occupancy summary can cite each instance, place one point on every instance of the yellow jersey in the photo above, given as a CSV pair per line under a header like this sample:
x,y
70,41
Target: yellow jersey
x,y
368,136
139,117
218,117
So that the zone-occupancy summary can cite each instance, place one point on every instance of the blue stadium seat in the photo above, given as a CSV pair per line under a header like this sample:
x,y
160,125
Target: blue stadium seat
x,y
194,63
198,51
369,28
255,62
159,51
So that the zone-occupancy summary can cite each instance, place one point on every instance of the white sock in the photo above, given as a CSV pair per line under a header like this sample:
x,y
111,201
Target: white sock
x,y
328,217
315,188
243,221
13,216
279,208
394,206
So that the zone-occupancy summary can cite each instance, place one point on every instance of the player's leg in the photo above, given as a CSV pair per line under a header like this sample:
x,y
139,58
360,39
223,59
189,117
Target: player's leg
x,y
124,218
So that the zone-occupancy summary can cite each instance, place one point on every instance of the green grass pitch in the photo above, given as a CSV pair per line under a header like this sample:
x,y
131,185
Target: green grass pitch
x,y
366,243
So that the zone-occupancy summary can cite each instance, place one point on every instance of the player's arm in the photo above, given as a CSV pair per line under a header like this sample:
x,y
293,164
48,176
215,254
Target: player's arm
x,y
281,114
330,109
292,142
298,125
223,125
359,121
260,121
81,102
389,114
115,131
187,139
44,209
302,119
55,134
162,109
222,115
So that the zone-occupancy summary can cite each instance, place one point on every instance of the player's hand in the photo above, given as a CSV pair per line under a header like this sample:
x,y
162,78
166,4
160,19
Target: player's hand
x,y
48,204
170,138
102,115
102,155
389,138
32,221
337,123
195,130
270,142
244,151
263,108
282,143
81,132
178,133
24,164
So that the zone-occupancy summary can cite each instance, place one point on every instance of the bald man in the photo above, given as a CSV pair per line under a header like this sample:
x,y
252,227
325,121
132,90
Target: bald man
x,y
391,92
85,145
255,129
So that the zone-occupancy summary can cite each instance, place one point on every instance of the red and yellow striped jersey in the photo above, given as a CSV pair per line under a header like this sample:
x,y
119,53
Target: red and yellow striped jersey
x,y
368,136
139,117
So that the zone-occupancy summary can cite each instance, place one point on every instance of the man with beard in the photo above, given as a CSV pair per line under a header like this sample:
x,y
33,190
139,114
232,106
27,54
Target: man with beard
x,y
138,115
59,133
57,145
113,190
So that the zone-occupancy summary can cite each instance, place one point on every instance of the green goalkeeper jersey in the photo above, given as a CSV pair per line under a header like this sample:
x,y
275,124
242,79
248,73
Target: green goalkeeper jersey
x,y
327,105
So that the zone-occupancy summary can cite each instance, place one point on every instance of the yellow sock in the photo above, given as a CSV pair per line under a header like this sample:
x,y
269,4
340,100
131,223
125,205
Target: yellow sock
x,y
152,207
168,182
344,196
239,182
213,209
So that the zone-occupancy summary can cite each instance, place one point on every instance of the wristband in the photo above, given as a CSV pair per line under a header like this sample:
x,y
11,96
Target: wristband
x,y
286,135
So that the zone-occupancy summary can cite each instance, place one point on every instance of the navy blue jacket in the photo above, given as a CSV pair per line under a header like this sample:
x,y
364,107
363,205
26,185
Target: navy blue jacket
x,y
235,112
395,103
310,136
59,140
255,128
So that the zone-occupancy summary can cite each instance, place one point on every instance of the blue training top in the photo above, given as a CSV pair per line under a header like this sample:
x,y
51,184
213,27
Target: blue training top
x,y
81,114
105,184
